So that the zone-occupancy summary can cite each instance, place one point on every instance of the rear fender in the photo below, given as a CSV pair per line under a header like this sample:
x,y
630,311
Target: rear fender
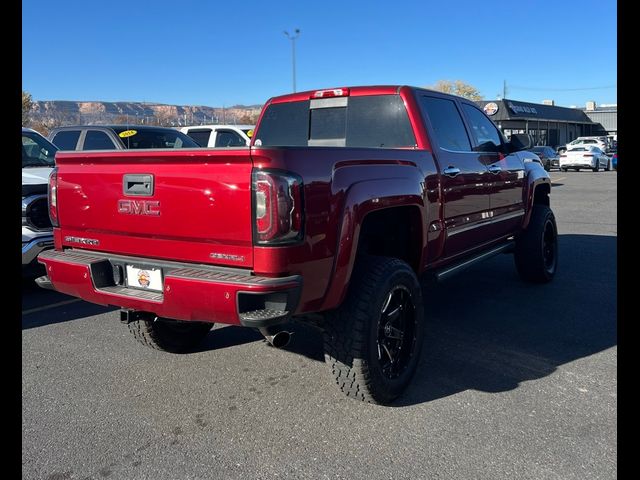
x,y
360,201
537,190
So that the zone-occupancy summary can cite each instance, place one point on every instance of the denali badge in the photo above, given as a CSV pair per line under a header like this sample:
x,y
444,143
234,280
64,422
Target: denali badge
x,y
81,240
139,207
226,256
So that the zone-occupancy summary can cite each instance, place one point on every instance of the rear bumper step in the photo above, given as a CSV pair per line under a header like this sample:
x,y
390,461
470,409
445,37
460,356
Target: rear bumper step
x,y
44,282
189,292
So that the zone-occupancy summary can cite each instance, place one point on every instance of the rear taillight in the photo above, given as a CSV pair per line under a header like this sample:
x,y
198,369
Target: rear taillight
x,y
53,197
277,207
588,155
563,156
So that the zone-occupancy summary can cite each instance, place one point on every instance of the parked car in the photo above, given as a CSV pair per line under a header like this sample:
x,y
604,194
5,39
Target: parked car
x,y
220,135
614,161
587,156
38,159
118,137
601,142
548,157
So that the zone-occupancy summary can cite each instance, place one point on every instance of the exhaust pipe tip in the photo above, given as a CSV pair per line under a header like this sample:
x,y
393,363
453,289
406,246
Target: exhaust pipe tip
x,y
276,337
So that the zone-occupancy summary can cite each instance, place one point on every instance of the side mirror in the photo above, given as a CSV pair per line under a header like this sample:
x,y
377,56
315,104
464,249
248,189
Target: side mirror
x,y
520,141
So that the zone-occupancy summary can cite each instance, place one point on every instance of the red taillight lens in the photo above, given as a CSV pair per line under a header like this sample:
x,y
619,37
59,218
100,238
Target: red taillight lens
x,y
53,197
277,206
563,156
588,155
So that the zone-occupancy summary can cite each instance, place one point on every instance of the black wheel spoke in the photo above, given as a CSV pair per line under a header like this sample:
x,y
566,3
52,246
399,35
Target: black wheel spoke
x,y
396,326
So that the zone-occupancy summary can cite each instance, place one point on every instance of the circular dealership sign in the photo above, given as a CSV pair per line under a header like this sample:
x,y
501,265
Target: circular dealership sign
x,y
491,108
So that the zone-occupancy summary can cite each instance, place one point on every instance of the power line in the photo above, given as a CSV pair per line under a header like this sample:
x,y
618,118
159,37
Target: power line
x,y
519,87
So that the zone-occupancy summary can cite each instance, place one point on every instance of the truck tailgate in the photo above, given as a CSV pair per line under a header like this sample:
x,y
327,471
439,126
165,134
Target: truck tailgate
x,y
189,205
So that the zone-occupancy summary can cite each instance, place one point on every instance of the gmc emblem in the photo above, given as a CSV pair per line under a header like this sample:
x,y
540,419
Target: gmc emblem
x,y
139,207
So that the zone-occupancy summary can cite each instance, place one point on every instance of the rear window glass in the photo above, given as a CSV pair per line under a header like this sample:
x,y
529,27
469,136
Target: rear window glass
x,y
284,125
151,138
66,140
379,121
328,123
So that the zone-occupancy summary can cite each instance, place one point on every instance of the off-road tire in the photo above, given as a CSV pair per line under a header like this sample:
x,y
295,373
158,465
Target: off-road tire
x,y
353,350
536,251
169,335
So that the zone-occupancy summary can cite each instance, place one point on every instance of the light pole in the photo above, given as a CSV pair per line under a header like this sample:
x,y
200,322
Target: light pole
x,y
296,34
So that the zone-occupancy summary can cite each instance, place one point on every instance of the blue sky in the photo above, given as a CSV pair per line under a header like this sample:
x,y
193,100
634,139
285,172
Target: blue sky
x,y
220,53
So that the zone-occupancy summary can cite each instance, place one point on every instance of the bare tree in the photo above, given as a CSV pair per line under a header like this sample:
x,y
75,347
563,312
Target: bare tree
x,y
27,107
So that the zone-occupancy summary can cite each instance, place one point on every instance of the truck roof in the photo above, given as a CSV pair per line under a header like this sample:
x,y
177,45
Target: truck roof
x,y
352,92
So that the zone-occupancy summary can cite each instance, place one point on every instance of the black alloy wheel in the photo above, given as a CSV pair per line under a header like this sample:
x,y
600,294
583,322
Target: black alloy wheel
x,y
397,328
536,251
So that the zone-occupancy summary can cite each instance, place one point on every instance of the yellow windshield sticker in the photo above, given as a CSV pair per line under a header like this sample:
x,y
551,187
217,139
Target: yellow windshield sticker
x,y
250,133
127,133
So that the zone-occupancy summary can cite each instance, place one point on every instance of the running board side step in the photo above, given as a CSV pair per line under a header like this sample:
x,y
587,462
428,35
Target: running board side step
x,y
451,270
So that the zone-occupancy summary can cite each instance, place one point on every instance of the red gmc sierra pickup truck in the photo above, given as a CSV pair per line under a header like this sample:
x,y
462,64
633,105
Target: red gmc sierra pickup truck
x,y
343,200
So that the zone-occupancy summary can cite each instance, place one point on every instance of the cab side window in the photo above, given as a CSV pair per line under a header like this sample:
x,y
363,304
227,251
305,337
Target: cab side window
x,y
228,138
97,140
447,123
483,130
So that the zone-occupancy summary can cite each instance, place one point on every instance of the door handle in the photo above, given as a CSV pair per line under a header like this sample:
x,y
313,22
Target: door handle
x,y
138,185
451,171
495,169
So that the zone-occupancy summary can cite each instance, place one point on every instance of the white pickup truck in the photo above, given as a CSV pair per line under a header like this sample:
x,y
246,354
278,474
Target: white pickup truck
x,y
220,135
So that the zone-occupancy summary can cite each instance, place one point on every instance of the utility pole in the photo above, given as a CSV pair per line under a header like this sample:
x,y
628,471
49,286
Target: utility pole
x,y
296,34
504,89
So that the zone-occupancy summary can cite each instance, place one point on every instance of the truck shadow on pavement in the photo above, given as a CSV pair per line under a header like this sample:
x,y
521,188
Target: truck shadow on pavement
x,y
45,307
487,330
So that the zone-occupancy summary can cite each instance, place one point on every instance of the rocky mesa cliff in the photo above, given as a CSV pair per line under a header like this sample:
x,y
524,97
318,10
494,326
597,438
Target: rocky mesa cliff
x,y
52,113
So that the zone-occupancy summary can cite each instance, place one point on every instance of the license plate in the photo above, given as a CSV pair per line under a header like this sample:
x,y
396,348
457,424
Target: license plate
x,y
144,278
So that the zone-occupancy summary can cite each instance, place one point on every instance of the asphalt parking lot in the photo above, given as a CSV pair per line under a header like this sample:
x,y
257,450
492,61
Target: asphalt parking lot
x,y
515,381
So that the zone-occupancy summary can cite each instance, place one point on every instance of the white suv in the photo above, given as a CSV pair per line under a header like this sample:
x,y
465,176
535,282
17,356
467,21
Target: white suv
x,y
600,142
38,156
220,135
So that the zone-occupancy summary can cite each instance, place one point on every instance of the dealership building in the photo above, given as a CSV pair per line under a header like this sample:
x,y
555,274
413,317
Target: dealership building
x,y
547,123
